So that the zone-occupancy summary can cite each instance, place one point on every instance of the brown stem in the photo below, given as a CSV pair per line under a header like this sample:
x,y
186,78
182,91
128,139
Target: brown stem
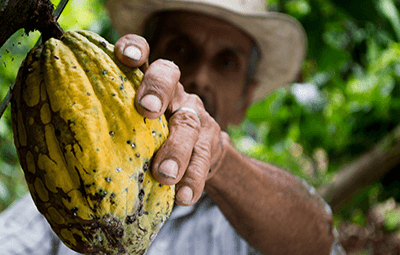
x,y
30,15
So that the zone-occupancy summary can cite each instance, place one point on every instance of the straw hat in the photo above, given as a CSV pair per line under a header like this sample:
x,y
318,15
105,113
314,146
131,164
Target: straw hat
x,y
280,38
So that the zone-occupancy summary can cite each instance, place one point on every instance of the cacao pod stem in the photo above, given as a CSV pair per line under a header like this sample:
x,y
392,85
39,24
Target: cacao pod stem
x,y
52,29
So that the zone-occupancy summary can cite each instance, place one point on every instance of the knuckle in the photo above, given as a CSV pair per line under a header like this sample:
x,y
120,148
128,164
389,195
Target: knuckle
x,y
161,75
179,148
188,121
195,99
168,65
194,176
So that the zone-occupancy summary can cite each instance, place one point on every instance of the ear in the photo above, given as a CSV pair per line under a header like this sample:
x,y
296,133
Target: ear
x,y
245,101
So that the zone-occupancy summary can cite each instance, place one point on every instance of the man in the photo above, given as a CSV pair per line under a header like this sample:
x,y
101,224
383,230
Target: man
x,y
228,54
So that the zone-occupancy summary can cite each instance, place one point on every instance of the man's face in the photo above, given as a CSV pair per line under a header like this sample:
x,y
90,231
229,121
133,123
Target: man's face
x,y
213,57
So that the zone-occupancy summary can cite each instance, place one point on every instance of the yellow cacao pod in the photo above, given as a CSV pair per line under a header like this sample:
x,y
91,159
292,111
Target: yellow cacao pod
x,y
85,150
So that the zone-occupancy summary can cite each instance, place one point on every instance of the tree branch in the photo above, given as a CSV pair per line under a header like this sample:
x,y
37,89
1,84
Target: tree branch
x,y
366,169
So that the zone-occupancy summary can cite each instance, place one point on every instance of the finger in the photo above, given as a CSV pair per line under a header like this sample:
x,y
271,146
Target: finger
x,y
132,50
158,88
191,186
172,160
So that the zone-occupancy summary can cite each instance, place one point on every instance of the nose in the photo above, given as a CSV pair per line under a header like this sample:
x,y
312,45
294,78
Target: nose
x,y
198,80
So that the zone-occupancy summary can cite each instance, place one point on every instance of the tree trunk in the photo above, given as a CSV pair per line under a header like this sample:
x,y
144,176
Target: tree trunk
x,y
363,171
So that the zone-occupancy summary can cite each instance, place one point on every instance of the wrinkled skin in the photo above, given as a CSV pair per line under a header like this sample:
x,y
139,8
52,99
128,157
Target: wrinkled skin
x,y
267,206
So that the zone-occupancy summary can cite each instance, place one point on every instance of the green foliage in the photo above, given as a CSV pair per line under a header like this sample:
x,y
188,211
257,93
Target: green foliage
x,y
352,71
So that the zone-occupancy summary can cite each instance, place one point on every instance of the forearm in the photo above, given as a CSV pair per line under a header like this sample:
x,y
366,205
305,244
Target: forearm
x,y
270,208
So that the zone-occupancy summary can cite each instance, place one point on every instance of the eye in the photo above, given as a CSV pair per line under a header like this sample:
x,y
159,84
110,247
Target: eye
x,y
227,61
180,51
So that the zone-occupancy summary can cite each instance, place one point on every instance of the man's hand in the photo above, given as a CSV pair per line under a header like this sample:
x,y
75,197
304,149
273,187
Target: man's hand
x,y
194,145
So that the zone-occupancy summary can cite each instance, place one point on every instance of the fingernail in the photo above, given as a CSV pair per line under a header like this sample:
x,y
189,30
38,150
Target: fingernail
x,y
185,195
133,53
169,168
151,103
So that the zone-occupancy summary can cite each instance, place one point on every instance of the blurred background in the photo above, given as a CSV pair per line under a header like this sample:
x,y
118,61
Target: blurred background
x,y
337,126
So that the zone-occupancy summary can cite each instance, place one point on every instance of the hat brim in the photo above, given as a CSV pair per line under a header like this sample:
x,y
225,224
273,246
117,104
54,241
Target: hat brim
x,y
280,38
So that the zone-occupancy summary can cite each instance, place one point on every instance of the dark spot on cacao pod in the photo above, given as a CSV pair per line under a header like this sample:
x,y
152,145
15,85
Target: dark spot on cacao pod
x,y
87,70
113,94
128,142
74,67
103,44
74,211
104,72
111,133
121,87
146,166
158,204
140,178
130,219
108,179
143,229
118,169
112,195
121,250
146,213
137,155
98,196
55,57
141,194
102,192
160,185
95,207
